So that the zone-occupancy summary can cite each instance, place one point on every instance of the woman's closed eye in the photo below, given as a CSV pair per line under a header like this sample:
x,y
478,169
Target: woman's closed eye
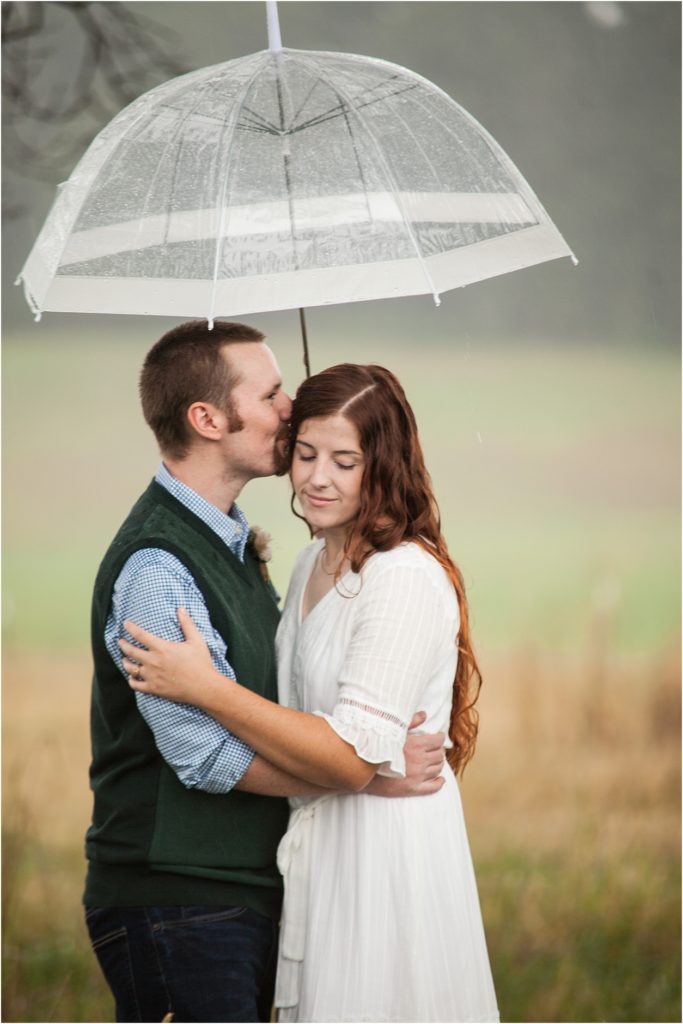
x,y
339,465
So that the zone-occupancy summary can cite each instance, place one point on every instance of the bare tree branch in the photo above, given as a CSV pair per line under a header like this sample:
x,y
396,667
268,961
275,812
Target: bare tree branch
x,y
53,108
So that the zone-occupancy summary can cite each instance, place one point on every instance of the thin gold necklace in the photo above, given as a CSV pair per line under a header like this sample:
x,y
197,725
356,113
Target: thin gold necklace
x,y
323,566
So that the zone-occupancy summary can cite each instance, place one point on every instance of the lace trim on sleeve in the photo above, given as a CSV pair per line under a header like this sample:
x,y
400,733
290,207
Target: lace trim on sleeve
x,y
386,715
377,736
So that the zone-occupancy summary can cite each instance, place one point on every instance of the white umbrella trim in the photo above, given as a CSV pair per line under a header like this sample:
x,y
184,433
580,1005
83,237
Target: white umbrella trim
x,y
260,293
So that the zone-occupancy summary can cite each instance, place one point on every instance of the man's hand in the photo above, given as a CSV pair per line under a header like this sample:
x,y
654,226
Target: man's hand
x,y
425,756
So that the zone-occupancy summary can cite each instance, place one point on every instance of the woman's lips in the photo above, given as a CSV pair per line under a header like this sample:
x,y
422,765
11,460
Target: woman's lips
x,y
318,501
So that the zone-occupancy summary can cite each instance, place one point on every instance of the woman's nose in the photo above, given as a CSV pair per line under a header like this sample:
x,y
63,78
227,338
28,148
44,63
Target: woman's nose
x,y
319,475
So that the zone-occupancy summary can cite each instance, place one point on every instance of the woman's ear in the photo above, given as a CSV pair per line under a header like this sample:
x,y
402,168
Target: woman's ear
x,y
206,420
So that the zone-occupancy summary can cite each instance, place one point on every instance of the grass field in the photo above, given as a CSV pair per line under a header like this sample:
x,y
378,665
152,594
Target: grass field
x,y
558,475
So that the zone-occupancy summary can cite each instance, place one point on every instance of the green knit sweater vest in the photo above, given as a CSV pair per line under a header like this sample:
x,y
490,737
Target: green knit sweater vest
x,y
153,841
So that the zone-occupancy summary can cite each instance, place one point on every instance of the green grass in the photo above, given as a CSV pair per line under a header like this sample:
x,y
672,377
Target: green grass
x,y
566,943
571,944
49,971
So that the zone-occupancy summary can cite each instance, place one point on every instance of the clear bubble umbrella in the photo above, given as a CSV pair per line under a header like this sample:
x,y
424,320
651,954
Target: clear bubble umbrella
x,y
284,179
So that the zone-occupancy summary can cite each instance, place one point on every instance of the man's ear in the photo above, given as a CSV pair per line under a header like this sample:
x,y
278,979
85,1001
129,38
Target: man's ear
x,y
206,420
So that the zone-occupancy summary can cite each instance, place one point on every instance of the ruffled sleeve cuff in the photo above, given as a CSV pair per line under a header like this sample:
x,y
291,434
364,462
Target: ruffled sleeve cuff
x,y
377,736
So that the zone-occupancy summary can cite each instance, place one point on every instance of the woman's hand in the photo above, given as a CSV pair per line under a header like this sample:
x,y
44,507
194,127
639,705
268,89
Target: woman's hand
x,y
176,671
425,756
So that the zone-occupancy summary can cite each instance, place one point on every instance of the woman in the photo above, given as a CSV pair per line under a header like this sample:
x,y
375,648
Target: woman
x,y
381,918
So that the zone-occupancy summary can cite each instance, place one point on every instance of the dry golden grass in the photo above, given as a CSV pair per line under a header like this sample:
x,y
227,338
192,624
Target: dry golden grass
x,y
573,811
565,747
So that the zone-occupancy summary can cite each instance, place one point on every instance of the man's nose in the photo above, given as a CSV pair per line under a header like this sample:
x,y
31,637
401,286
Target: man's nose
x,y
285,406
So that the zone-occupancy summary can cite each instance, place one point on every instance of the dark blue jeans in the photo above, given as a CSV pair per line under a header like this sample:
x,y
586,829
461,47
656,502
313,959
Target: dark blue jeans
x,y
199,963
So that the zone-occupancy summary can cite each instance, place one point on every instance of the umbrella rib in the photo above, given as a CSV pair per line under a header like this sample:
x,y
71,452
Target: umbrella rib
x,y
519,181
344,107
307,98
249,127
238,107
396,195
263,120
328,115
209,118
184,116
409,131
280,85
259,119
397,92
103,152
317,82
349,128
325,113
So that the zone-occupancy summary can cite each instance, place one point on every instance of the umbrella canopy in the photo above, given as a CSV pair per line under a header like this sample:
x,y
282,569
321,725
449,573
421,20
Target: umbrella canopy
x,y
284,179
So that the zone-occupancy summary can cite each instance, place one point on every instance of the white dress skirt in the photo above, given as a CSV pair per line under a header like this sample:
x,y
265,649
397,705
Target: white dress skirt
x,y
381,917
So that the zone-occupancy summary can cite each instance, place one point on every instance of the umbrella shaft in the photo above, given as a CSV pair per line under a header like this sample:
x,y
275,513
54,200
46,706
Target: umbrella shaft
x,y
304,338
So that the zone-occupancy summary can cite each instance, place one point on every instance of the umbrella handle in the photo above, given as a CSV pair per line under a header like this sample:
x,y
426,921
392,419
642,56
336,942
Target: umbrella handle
x,y
274,39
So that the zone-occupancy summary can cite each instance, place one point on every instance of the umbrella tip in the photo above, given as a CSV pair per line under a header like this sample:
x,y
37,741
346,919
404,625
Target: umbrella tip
x,y
38,317
274,39
210,324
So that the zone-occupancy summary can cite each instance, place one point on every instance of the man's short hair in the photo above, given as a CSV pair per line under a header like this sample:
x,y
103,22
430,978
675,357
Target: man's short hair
x,y
187,365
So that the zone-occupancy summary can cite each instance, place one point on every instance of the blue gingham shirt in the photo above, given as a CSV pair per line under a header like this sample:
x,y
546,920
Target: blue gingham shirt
x,y
150,588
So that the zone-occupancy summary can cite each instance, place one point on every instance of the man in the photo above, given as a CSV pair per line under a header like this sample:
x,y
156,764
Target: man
x,y
182,894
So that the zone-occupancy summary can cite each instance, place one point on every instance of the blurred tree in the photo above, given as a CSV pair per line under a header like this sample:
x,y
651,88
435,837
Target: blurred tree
x,y
53,108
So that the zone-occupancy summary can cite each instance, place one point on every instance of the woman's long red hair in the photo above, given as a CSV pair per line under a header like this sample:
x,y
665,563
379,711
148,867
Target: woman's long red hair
x,y
396,504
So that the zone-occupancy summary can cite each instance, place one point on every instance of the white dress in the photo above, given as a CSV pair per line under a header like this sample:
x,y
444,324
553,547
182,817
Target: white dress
x,y
381,920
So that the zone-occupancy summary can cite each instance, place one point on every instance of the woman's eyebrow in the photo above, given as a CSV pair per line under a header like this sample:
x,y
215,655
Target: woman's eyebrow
x,y
337,451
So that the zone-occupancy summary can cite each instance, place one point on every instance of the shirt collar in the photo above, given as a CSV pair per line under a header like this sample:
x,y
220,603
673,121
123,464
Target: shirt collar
x,y
232,528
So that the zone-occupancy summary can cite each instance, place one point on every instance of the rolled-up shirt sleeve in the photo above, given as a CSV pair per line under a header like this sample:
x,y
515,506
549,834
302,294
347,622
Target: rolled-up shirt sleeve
x,y
151,587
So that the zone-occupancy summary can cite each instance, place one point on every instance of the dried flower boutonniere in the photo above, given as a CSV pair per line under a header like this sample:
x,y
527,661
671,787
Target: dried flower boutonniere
x,y
258,542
